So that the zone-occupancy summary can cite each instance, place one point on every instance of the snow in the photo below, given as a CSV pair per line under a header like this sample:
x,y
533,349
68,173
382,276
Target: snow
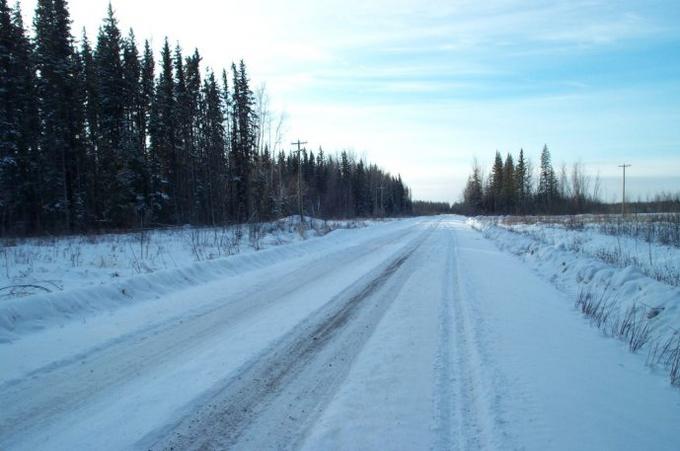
x,y
570,261
88,275
234,315
412,334
55,264
518,369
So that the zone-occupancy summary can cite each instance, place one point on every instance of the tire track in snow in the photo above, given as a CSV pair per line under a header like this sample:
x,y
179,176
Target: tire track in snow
x,y
37,400
477,423
273,401
446,420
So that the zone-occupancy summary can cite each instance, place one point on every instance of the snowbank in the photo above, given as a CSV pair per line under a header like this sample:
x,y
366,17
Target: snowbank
x,y
623,301
198,256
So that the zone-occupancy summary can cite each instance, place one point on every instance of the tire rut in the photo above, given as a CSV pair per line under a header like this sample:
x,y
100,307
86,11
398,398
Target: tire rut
x,y
41,396
478,425
274,400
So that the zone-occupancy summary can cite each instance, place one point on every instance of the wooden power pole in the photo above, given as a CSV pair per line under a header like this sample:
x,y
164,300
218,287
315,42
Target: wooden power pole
x,y
299,154
623,197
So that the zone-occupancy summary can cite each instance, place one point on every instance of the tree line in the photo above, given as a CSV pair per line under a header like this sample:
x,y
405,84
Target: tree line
x,y
512,187
101,136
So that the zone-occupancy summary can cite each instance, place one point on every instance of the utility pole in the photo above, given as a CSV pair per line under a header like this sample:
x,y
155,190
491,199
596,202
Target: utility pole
x,y
623,197
382,206
299,154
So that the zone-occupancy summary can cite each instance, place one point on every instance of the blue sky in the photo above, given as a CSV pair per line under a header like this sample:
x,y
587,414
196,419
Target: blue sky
x,y
422,88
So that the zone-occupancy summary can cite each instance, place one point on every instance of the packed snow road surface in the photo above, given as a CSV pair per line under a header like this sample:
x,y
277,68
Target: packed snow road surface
x,y
417,334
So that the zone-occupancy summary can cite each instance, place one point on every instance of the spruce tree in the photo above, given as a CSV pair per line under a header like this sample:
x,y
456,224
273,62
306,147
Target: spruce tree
x,y
91,139
194,93
134,136
19,126
146,96
114,152
345,189
321,179
547,182
243,136
361,192
9,130
213,148
521,181
509,188
495,201
146,91
183,122
59,101
473,195
163,143
115,147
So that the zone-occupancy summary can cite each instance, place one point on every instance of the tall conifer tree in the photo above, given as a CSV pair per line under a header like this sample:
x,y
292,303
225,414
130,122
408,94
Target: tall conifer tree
x,y
19,125
509,189
114,140
521,181
163,142
60,108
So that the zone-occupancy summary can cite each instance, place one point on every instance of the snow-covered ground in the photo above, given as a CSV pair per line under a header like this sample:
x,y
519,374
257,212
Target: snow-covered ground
x,y
649,243
70,278
54,264
412,334
629,288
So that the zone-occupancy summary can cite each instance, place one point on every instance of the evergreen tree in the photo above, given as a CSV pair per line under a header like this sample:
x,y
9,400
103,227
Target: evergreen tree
x,y
522,182
92,136
8,81
9,130
114,149
494,202
213,152
146,92
261,190
242,141
346,190
321,179
60,107
509,188
146,97
193,90
360,191
163,155
183,151
227,105
473,194
134,133
547,182
19,125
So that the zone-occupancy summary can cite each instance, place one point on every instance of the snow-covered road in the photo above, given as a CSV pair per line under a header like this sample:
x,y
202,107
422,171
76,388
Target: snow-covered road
x,y
417,334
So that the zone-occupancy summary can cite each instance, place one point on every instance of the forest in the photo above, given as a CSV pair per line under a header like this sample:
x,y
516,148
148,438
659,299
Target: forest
x,y
100,136
515,188
511,189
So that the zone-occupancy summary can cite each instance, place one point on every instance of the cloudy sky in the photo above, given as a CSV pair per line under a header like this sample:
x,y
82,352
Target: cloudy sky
x,y
424,87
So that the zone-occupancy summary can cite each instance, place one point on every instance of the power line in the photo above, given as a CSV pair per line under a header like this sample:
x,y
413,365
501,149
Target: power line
x,y
299,154
623,197
381,188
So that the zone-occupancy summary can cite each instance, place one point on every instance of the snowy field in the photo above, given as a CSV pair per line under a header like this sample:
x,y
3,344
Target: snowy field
x,y
420,333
